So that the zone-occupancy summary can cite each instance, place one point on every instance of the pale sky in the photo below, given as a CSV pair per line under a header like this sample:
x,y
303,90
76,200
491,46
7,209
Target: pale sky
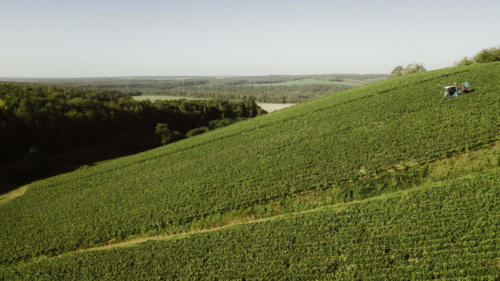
x,y
69,38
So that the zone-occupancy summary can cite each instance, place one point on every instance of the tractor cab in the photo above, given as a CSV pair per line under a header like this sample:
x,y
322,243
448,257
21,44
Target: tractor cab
x,y
454,90
449,91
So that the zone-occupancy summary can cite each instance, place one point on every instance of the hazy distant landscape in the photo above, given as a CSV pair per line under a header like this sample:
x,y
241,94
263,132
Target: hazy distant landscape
x,y
278,88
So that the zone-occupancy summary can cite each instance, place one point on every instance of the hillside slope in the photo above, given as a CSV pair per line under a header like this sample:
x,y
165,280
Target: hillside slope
x,y
445,231
361,143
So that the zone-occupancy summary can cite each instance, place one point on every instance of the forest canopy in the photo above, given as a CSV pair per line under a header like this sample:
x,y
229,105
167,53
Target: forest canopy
x,y
39,123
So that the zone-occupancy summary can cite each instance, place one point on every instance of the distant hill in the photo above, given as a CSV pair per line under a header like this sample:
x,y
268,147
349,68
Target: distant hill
x,y
384,181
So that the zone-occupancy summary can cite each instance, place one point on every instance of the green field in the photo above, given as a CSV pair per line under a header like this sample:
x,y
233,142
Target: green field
x,y
372,141
309,81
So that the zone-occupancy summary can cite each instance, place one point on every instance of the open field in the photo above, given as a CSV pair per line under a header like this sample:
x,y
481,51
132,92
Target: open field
x,y
410,178
311,82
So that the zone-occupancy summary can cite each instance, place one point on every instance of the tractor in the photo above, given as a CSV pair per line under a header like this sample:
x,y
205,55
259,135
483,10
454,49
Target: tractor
x,y
454,90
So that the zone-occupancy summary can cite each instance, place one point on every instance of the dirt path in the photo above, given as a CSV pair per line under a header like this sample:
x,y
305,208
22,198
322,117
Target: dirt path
x,y
138,240
165,237
12,195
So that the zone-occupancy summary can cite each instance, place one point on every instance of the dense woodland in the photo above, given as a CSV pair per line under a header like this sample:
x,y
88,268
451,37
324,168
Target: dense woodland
x,y
46,129
271,94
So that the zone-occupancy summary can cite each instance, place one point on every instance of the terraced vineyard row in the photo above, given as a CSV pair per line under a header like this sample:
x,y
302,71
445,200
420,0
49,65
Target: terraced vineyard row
x,y
338,143
445,231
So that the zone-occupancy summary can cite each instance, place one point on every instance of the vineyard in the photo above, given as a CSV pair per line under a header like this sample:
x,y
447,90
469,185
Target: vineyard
x,y
378,141
445,231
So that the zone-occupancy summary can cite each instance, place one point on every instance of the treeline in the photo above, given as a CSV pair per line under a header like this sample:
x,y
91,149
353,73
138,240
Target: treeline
x,y
130,85
47,129
237,87
268,93
409,69
484,56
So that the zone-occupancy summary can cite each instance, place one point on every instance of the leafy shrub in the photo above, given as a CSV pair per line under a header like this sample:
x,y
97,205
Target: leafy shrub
x,y
488,55
214,124
197,131
465,61
484,56
409,69
166,135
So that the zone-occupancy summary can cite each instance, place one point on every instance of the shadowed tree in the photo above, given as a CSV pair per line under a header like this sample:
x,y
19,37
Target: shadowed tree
x,y
397,71
465,61
484,56
409,69
414,68
488,55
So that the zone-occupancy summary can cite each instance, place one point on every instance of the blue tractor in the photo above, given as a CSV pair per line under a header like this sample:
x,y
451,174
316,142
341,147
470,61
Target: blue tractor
x,y
453,91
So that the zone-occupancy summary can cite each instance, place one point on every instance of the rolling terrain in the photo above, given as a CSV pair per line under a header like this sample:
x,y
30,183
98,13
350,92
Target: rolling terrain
x,y
278,88
386,180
